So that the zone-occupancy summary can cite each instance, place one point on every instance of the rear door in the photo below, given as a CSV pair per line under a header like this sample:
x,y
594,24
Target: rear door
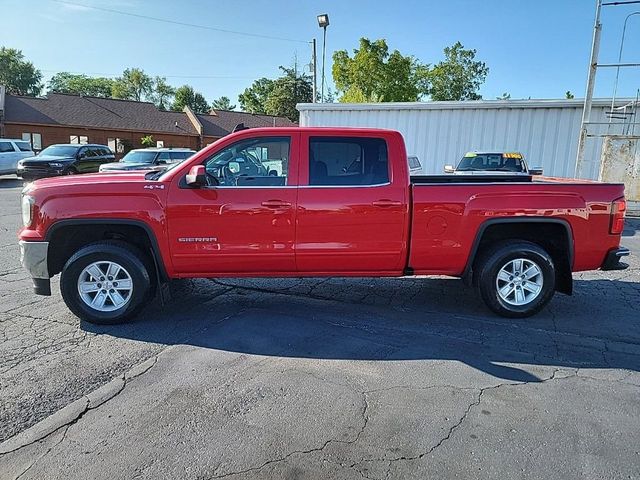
x,y
352,216
85,159
8,157
244,222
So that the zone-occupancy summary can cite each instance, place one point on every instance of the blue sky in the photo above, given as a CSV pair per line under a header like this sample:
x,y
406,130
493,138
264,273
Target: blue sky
x,y
534,48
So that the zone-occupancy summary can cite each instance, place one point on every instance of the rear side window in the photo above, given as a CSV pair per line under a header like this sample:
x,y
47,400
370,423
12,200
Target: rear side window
x,y
6,147
24,146
348,161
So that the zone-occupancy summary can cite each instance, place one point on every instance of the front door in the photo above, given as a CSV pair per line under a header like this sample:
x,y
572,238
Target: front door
x,y
352,218
244,222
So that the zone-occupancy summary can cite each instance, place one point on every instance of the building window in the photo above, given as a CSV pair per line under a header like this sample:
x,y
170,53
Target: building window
x,y
79,139
35,139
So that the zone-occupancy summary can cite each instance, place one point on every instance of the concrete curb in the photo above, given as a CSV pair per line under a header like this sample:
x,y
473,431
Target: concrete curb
x,y
72,412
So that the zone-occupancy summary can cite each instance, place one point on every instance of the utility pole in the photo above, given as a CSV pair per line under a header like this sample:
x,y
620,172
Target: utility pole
x,y
588,98
315,75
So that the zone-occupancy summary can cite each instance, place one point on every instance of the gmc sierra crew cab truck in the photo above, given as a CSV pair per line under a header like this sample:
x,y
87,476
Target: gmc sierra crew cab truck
x,y
341,204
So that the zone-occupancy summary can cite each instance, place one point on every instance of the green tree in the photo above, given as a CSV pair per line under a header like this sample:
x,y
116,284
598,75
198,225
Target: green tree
x,y
375,75
504,96
65,82
458,76
568,95
290,89
134,84
222,103
186,96
148,141
162,93
19,76
254,98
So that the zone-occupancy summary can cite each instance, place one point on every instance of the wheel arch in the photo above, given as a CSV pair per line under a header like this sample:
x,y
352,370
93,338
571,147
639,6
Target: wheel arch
x,y
531,229
80,232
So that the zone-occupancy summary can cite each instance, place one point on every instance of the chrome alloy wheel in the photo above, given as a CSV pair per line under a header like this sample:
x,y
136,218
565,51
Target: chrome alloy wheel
x,y
105,286
519,281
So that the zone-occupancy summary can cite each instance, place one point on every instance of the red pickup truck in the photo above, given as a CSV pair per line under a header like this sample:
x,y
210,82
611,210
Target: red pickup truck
x,y
313,202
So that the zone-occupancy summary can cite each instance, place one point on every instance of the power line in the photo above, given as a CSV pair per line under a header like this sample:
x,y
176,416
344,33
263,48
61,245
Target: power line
x,y
184,24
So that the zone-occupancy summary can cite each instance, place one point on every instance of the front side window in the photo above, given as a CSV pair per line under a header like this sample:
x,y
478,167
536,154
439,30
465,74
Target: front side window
x,y
164,157
24,146
179,156
336,161
253,162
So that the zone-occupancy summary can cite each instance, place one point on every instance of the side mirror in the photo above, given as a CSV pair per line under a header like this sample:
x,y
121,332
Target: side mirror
x,y
535,171
197,176
449,169
161,162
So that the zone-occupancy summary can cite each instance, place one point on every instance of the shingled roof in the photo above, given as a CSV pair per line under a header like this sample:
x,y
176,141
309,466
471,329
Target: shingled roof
x,y
222,122
112,114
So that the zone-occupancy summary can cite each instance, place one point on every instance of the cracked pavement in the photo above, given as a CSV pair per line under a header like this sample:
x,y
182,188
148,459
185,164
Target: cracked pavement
x,y
321,378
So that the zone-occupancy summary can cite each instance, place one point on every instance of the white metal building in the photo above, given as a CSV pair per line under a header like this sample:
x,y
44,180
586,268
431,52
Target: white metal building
x,y
439,133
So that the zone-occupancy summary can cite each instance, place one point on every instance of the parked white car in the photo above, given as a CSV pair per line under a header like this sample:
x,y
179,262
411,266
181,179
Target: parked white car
x,y
11,152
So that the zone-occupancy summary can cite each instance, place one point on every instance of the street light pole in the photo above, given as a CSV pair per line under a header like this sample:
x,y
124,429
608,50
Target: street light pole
x,y
315,76
323,22
324,54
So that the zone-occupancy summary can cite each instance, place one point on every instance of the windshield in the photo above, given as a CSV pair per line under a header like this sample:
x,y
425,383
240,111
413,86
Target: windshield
x,y
139,157
491,162
60,151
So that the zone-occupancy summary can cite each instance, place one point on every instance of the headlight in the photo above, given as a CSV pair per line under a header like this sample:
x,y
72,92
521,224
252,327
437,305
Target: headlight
x,y
27,209
55,165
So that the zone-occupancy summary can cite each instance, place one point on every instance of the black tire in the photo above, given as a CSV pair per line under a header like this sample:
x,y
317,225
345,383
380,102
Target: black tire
x,y
71,171
125,255
493,260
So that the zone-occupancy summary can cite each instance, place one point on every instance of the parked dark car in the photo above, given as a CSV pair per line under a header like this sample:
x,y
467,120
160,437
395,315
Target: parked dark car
x,y
65,159
148,159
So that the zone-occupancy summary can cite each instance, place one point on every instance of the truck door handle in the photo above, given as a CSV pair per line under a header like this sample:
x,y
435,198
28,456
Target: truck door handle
x,y
385,203
276,204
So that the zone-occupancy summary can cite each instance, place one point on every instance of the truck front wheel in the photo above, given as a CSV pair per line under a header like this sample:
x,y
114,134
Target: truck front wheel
x,y
105,282
516,279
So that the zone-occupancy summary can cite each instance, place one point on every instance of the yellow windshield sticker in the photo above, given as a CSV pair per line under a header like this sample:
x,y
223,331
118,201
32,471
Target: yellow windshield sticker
x,y
512,155
470,155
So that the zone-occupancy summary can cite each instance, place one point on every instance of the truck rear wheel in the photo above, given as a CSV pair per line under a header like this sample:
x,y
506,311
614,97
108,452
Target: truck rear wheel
x,y
516,279
106,282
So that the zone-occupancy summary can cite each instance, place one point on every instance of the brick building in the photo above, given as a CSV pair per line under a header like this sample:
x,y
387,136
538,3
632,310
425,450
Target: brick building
x,y
121,124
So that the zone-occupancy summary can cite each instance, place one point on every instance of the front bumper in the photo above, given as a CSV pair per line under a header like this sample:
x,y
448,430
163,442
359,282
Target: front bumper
x,y
612,260
34,173
33,257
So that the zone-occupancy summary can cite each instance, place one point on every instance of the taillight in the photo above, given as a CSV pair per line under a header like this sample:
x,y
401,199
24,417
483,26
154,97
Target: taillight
x,y
618,209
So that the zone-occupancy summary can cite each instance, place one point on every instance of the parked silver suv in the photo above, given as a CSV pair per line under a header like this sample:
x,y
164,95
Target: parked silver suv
x,y
148,159
11,152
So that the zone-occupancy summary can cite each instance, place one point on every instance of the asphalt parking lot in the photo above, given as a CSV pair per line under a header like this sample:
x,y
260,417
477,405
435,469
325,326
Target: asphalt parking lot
x,y
320,378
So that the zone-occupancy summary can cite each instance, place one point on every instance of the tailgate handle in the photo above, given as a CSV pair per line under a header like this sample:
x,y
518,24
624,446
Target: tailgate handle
x,y
276,204
385,203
